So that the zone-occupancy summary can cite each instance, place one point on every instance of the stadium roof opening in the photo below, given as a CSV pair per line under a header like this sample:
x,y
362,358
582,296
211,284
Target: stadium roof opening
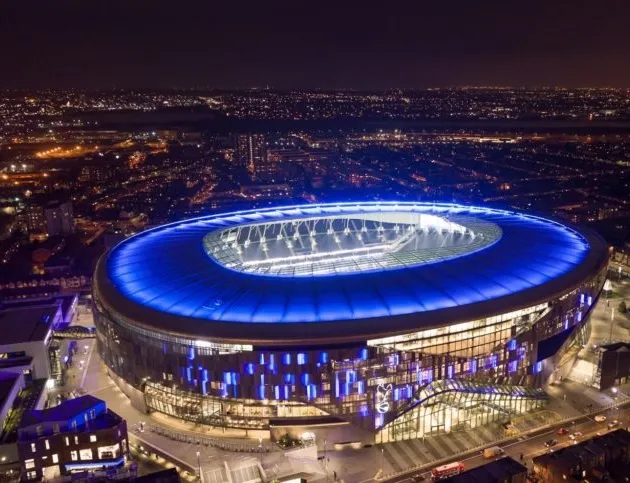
x,y
357,242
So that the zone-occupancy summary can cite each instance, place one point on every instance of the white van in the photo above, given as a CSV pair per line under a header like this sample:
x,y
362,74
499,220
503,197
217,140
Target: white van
x,y
600,419
492,452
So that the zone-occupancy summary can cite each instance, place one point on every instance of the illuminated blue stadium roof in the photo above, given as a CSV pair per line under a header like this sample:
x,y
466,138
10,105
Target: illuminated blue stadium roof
x,y
265,267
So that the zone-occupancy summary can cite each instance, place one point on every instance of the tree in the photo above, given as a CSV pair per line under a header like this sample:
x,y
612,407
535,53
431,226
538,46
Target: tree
x,y
622,307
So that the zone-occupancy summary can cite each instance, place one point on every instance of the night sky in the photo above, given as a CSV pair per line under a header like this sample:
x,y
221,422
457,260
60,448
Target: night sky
x,y
342,44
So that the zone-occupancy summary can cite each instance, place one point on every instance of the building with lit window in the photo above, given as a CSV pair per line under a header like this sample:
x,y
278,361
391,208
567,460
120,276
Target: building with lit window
x,y
51,218
78,435
399,319
251,153
605,457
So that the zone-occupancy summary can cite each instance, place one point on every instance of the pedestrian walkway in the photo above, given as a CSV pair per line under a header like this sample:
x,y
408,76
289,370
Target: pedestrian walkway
x,y
527,422
404,454
215,475
247,473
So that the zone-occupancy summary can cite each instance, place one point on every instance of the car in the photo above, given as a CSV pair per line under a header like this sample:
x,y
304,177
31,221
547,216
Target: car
x,y
614,423
416,478
575,435
492,452
600,418
550,443
563,431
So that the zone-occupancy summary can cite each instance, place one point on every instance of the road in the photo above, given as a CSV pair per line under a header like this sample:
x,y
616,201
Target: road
x,y
534,444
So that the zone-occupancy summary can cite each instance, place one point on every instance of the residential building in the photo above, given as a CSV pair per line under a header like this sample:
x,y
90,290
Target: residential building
x,y
78,435
251,153
51,218
502,470
603,457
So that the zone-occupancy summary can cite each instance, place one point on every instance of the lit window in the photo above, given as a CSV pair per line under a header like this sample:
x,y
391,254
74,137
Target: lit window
x,y
74,455
55,458
67,441
31,475
33,449
92,438
85,454
47,444
28,464
76,440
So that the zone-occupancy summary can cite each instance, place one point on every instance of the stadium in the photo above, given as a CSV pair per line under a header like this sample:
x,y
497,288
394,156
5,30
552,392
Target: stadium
x,y
397,320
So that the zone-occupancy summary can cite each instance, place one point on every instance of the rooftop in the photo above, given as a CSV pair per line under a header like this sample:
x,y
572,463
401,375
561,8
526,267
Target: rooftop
x,y
63,412
26,324
575,454
351,265
496,471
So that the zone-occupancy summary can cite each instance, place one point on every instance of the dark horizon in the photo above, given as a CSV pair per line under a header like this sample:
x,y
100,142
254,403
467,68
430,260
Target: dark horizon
x,y
194,44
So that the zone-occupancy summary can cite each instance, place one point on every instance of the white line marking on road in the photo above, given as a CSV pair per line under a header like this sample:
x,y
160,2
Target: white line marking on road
x,y
87,364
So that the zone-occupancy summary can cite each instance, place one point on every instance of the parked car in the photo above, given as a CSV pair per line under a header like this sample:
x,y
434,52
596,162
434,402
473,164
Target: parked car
x,y
614,423
600,418
563,431
550,443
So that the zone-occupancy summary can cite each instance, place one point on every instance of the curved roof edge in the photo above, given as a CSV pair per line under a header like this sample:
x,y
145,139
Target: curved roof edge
x,y
346,331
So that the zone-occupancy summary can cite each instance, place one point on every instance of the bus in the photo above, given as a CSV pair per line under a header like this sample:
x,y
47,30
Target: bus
x,y
445,471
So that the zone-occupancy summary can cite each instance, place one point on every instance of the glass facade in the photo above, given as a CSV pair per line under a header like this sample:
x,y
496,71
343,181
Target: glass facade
x,y
451,405
436,379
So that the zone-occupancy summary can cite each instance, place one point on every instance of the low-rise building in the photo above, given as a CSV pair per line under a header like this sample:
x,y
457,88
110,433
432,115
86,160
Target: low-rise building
x,y
25,339
596,458
78,435
16,397
503,470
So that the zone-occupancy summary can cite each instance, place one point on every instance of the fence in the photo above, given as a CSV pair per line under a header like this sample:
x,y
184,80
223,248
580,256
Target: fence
x,y
219,443
500,441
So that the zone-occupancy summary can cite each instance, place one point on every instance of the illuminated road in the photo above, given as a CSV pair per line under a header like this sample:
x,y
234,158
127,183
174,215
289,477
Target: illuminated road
x,y
534,445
